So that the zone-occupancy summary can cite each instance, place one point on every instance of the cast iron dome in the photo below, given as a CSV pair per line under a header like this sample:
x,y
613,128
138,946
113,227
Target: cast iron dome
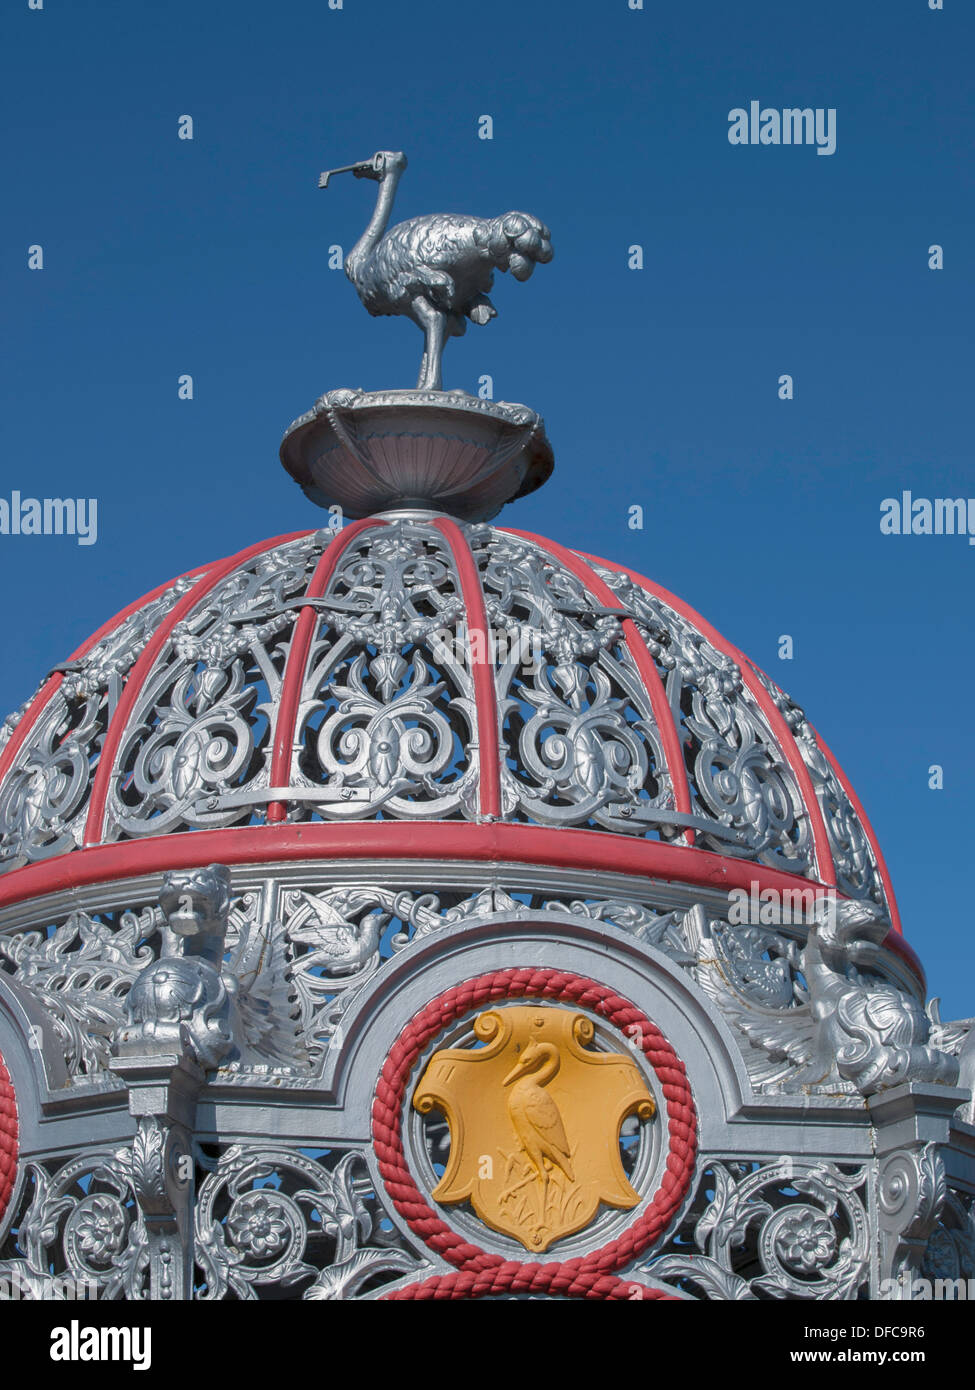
x,y
414,670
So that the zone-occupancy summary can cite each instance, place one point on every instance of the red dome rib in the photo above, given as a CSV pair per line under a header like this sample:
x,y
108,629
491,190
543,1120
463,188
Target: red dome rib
x,y
826,870
297,660
485,695
53,683
95,823
868,830
644,662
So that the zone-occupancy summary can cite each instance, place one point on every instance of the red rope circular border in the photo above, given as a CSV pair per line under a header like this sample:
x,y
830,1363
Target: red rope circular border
x,y
8,1137
480,1273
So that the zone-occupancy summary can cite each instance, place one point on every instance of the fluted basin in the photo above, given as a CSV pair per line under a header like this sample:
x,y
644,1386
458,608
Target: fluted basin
x,y
374,451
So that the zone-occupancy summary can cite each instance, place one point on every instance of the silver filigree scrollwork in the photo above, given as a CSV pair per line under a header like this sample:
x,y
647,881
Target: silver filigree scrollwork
x,y
813,1012
856,868
272,1218
334,942
762,966
950,1249
667,931
741,785
80,973
268,1220
44,797
196,751
910,1195
850,1027
317,949
80,1234
802,1225
387,721
582,743
387,717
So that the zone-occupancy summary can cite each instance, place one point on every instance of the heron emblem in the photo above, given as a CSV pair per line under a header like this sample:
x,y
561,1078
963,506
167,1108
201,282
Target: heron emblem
x,y
534,1115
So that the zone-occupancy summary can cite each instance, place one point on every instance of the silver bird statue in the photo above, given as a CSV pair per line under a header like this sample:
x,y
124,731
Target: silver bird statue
x,y
437,269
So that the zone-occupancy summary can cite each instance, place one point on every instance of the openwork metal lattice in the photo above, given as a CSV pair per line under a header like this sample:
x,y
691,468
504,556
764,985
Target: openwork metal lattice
x,y
415,669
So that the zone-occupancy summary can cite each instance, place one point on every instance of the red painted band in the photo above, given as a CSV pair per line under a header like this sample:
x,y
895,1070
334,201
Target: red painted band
x,y
294,670
482,669
645,664
454,841
490,842
94,825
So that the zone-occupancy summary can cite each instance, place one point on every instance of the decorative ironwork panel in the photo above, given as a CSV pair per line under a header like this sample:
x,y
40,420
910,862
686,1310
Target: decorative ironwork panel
x,y
196,751
856,868
744,794
44,797
789,1229
580,743
387,718
298,953
950,1250
270,1222
80,972
275,1221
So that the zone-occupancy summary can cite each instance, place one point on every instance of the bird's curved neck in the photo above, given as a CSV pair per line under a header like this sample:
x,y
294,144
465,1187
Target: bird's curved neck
x,y
550,1065
380,215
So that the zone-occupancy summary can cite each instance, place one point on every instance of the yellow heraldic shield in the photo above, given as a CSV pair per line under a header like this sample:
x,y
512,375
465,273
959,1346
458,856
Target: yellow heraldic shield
x,y
534,1119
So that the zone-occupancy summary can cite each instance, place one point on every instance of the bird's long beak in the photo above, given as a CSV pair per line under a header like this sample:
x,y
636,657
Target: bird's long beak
x,y
346,169
523,1065
513,1074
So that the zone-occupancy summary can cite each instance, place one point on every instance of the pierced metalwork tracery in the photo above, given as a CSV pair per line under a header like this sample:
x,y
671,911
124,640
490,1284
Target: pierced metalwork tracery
x,y
278,1221
743,792
297,957
581,743
388,724
197,747
79,1234
855,863
80,973
387,717
275,1221
44,797
791,1228
950,1250
270,1221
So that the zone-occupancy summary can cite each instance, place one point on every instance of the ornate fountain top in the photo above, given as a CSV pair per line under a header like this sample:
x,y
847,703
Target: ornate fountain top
x,y
428,448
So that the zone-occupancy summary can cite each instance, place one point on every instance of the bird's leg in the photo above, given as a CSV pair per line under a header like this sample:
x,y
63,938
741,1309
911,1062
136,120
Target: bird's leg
x,y
432,321
544,1202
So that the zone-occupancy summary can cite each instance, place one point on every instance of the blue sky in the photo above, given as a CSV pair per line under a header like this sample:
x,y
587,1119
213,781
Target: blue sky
x,y
659,387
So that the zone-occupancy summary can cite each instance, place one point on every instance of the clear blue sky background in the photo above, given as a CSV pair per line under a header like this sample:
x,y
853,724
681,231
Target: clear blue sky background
x,y
659,387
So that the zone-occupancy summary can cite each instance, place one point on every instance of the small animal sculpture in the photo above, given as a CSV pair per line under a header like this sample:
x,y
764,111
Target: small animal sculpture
x,y
437,269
